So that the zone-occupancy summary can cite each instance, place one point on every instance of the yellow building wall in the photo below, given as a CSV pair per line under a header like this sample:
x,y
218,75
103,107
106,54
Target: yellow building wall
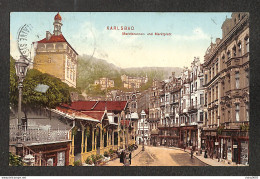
x,y
51,63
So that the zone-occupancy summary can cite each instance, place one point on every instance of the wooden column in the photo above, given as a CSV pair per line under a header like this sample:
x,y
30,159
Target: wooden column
x,y
86,142
113,138
118,138
101,140
72,149
82,143
82,139
93,138
107,139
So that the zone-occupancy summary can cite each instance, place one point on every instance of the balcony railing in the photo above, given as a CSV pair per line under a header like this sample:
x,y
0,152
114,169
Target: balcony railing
x,y
37,134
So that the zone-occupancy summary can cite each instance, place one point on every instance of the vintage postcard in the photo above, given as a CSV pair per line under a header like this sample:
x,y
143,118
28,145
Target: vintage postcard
x,y
129,89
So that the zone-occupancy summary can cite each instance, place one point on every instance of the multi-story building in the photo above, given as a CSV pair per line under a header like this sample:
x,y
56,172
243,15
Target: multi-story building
x,y
105,83
55,56
154,112
133,82
143,129
227,88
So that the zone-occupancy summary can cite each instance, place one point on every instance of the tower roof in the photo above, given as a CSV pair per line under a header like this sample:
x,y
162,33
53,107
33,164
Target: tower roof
x,y
57,17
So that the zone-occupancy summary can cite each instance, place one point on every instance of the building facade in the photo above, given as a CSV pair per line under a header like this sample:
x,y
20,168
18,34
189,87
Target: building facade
x,y
55,56
226,64
105,83
133,82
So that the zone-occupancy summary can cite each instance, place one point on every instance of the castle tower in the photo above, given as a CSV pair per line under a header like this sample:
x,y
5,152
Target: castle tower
x,y
55,56
57,24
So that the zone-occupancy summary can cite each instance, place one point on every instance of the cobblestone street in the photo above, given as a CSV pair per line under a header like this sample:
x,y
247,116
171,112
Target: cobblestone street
x,y
160,156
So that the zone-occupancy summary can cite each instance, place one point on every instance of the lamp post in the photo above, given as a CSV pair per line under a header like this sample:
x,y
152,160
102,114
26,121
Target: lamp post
x,y
21,66
143,117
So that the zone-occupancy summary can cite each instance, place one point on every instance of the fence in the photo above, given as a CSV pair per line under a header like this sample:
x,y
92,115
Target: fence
x,y
37,134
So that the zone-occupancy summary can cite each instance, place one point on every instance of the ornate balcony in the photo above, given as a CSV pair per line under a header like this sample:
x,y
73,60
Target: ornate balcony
x,y
38,135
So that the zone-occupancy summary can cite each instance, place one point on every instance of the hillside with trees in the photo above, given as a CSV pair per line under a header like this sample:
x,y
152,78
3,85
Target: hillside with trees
x,y
91,69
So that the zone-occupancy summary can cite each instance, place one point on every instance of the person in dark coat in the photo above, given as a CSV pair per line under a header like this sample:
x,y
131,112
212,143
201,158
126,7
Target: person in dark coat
x,y
130,157
122,157
191,152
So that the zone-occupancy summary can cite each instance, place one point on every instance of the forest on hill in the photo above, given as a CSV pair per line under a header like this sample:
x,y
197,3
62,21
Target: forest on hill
x,y
91,69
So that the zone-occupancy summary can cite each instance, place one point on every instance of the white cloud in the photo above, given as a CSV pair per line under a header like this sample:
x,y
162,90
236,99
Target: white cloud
x,y
197,34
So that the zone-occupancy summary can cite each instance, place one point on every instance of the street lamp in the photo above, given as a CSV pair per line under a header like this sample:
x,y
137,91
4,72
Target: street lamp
x,y
143,117
21,66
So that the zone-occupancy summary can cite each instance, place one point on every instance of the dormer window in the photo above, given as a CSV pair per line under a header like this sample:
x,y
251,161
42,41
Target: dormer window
x,y
223,58
247,43
234,51
228,54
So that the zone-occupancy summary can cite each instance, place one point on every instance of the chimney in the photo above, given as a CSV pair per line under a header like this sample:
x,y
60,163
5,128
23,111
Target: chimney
x,y
217,40
48,35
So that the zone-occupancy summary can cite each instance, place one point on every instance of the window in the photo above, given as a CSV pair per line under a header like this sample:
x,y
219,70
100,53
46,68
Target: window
x,y
247,44
201,99
247,77
237,80
234,51
237,112
216,92
201,116
192,88
216,67
206,100
228,54
247,111
239,48
195,86
201,82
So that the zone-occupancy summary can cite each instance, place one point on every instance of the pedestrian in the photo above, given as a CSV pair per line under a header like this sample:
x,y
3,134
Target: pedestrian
x,y
184,146
191,153
130,156
122,157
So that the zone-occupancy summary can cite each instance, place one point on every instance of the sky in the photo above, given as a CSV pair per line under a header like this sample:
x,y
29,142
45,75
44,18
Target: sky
x,y
87,33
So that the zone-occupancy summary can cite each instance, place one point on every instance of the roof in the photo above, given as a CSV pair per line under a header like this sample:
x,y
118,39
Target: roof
x,y
110,105
95,114
57,17
97,105
56,38
81,105
76,114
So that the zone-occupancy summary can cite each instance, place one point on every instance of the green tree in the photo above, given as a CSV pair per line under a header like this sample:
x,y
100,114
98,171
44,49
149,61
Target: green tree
x,y
15,160
57,93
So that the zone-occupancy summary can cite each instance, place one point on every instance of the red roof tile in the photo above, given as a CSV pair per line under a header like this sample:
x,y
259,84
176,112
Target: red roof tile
x,y
95,114
75,113
110,105
81,105
97,105
54,38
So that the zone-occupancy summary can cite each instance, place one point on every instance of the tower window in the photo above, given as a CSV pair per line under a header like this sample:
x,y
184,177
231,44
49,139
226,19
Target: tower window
x,y
237,79
237,112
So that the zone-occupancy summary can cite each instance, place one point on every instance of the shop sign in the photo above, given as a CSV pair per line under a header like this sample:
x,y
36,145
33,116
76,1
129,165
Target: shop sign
x,y
234,146
216,143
